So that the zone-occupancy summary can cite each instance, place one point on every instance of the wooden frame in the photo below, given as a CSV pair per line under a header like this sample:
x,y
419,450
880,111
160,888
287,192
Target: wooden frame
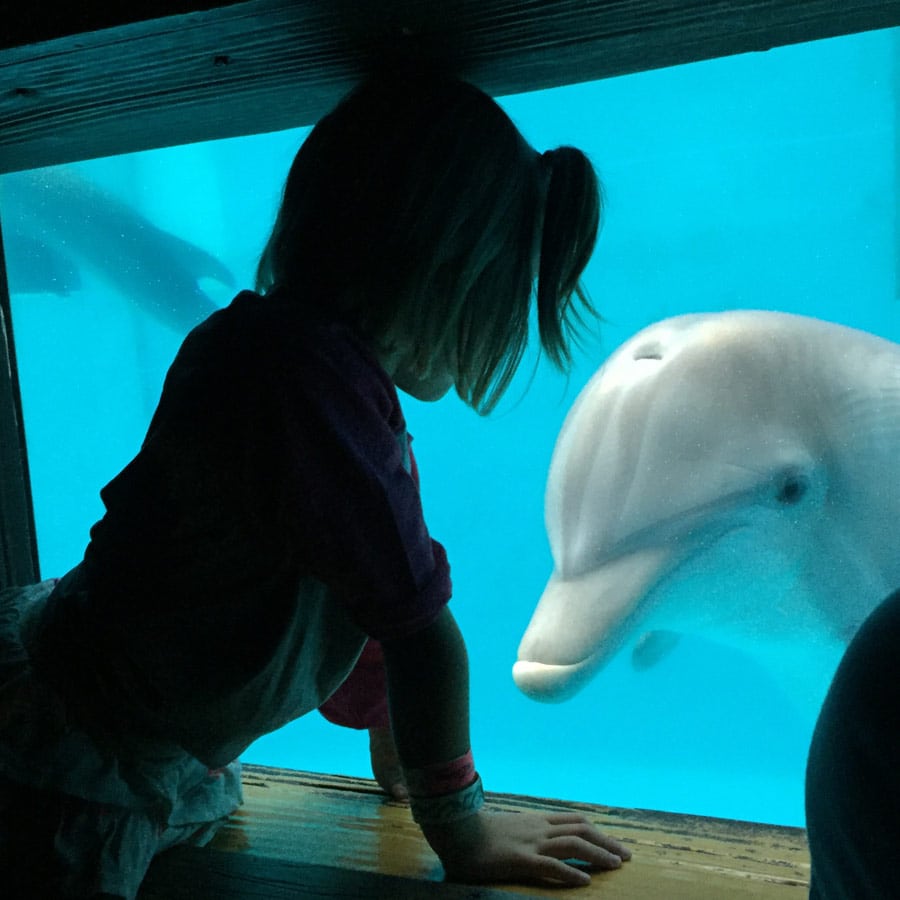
x,y
95,79
18,536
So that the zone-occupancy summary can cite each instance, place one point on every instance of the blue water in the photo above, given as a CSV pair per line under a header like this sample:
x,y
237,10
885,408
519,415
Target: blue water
x,y
764,180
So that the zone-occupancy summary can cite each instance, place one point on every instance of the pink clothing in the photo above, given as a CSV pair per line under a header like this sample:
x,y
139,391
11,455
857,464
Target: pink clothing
x,y
361,701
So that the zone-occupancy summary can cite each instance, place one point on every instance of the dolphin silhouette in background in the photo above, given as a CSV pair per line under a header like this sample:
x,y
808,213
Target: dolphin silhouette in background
x,y
735,475
57,223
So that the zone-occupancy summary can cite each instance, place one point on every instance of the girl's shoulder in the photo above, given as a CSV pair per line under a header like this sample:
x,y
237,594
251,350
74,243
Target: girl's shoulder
x,y
300,341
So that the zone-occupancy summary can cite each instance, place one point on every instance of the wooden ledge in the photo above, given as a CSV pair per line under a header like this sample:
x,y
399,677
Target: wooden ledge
x,y
305,835
176,71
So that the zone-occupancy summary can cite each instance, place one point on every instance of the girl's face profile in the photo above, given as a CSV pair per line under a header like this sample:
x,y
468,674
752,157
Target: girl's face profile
x,y
428,388
426,384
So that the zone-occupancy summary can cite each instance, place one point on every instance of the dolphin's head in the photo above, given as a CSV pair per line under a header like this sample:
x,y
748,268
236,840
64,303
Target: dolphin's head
x,y
687,437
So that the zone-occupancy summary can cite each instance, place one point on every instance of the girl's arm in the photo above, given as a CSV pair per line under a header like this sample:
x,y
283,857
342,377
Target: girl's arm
x,y
428,687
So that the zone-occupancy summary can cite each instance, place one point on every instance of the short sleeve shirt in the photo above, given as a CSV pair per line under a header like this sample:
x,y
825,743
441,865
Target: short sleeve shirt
x,y
277,457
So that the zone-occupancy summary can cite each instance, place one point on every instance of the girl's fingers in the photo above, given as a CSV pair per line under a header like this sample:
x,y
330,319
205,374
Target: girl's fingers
x,y
573,847
565,818
565,824
554,870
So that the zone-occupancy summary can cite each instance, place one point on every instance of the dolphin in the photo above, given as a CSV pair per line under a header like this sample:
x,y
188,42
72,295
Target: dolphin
x,y
731,474
57,223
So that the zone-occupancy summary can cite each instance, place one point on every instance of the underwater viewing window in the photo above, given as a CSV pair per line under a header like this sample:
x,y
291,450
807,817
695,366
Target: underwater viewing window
x,y
759,181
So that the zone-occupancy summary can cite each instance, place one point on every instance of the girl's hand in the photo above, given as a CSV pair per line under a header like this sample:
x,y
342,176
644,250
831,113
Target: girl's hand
x,y
524,847
386,763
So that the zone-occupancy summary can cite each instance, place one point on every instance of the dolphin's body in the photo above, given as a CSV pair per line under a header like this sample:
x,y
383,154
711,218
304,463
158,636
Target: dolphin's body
x,y
733,474
57,223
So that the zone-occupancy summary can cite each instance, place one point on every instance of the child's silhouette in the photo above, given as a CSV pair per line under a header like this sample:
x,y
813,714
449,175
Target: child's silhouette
x,y
270,531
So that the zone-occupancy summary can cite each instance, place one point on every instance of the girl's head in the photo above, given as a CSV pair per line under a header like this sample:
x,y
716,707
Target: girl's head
x,y
417,213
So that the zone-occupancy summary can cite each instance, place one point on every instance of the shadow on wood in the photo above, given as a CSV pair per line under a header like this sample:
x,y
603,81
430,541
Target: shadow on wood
x,y
206,874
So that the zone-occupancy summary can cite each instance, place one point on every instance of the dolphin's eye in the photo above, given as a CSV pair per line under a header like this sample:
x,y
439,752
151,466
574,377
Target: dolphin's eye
x,y
792,488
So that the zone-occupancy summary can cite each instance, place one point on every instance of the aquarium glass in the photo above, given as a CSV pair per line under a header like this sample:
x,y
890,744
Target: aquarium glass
x,y
764,180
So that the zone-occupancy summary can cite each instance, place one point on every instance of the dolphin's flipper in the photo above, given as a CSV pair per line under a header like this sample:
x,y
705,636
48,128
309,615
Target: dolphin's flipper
x,y
92,229
194,261
652,647
178,300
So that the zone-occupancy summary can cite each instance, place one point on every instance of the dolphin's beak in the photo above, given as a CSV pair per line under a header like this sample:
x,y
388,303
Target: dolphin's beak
x,y
580,622
549,683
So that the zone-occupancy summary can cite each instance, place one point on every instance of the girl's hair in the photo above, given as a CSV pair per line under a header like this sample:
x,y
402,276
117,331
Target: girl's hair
x,y
413,212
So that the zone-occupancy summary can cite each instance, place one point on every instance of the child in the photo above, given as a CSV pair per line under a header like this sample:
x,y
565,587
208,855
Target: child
x,y
270,525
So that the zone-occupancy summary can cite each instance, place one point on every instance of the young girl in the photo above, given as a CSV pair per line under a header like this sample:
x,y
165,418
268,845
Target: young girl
x,y
269,532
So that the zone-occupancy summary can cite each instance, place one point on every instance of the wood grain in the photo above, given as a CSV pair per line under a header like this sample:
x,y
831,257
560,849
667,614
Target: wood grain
x,y
264,65
300,834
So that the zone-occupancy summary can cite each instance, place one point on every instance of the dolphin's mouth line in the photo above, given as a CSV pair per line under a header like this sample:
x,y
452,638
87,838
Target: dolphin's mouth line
x,y
670,532
551,683
582,663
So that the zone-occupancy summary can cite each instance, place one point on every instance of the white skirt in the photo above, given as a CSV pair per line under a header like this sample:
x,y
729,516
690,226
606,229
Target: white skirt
x,y
105,814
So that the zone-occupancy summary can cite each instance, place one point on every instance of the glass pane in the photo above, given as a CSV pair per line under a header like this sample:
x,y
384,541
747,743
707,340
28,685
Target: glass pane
x,y
759,181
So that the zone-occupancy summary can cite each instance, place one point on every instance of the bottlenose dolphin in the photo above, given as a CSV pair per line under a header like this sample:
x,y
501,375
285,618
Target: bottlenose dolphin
x,y
57,223
733,474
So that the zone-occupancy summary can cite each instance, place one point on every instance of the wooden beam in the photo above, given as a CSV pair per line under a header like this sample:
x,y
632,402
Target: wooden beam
x,y
32,23
300,834
264,65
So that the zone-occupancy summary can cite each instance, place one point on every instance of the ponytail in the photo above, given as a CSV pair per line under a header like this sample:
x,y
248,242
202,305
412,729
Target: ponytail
x,y
571,224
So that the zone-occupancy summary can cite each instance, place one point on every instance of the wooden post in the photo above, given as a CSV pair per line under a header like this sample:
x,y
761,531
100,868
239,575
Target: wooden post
x,y
18,539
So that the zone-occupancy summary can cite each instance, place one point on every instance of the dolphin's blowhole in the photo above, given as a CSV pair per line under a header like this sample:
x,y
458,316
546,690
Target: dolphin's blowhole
x,y
648,351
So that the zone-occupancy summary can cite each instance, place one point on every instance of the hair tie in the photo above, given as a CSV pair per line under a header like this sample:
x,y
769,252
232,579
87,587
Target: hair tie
x,y
445,792
441,778
453,807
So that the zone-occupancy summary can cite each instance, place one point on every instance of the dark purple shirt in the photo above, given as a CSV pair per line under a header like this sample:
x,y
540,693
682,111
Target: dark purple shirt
x,y
278,452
